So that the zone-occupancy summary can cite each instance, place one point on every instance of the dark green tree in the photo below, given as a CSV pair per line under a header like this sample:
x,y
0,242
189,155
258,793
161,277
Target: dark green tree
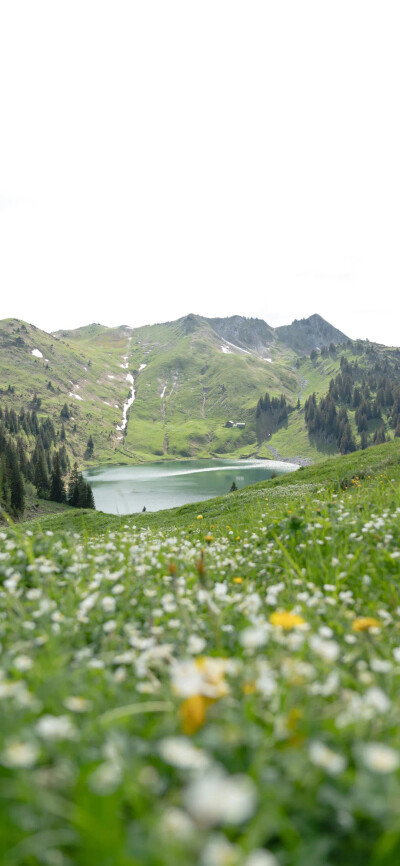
x,y
57,491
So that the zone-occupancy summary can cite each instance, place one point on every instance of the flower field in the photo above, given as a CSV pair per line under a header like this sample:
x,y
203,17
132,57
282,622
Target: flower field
x,y
225,693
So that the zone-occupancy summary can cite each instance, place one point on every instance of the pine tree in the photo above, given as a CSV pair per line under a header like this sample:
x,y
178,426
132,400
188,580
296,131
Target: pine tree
x,y
57,492
41,478
17,494
89,448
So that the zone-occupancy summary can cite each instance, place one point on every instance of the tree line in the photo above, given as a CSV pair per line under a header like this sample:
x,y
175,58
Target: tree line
x,y
373,395
271,413
33,452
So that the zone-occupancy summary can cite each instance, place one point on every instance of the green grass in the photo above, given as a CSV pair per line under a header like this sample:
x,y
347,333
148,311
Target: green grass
x,y
101,621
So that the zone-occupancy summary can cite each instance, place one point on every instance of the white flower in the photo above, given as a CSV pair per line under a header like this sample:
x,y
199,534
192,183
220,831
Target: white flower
x,y
176,822
33,594
77,704
261,857
254,636
219,851
108,603
180,752
381,666
396,653
196,644
23,663
19,754
217,798
380,758
106,778
327,649
203,676
55,728
324,757
376,699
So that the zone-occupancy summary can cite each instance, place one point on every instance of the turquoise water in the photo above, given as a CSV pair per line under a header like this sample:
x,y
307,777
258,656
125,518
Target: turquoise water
x,y
127,489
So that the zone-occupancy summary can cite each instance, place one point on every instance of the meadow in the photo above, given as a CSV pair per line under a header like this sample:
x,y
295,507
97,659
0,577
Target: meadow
x,y
215,687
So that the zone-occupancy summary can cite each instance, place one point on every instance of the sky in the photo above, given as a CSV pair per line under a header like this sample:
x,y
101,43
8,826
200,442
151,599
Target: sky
x,y
206,156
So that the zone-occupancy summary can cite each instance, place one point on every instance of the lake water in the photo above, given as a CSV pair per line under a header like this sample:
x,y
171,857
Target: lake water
x,y
126,489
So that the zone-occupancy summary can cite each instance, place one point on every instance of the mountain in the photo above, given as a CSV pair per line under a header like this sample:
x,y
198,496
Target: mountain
x,y
304,335
198,385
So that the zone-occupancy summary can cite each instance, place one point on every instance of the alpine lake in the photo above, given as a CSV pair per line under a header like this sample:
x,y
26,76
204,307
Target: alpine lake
x,y
155,486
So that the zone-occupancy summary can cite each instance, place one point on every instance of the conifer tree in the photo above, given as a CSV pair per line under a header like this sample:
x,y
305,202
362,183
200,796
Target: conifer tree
x,y
57,491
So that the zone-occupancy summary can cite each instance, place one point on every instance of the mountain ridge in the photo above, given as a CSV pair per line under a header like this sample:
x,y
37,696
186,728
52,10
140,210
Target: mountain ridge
x,y
193,384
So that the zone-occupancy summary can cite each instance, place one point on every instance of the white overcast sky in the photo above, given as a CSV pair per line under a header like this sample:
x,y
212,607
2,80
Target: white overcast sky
x,y
208,156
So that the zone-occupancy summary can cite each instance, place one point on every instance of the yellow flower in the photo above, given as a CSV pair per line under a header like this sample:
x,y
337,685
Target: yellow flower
x,y
208,538
286,619
199,517
249,688
363,623
193,713
238,580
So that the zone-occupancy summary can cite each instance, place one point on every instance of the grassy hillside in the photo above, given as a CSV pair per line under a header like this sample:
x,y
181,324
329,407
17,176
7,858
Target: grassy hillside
x,y
190,379
207,687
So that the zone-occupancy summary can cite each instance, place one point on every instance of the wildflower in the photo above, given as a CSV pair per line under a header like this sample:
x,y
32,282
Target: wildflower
x,y
106,778
219,852
238,580
203,675
77,704
218,798
55,728
327,649
364,623
253,637
179,752
18,754
376,699
196,644
175,822
199,517
286,619
23,663
193,713
261,857
380,758
322,756
108,604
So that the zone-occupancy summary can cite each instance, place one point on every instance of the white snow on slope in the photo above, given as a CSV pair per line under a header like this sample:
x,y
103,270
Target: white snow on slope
x,y
37,353
163,392
142,366
121,427
77,397
238,348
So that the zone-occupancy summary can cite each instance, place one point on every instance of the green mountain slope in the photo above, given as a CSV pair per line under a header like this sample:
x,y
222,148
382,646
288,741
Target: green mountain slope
x,y
195,380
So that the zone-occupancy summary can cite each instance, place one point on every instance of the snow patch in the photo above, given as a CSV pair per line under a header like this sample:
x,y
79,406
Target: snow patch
x,y
163,392
238,348
269,360
110,377
142,366
121,427
105,403
37,353
77,397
